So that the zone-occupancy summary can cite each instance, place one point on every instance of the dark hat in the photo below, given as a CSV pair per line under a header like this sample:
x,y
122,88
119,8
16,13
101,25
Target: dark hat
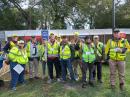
x,y
87,37
116,31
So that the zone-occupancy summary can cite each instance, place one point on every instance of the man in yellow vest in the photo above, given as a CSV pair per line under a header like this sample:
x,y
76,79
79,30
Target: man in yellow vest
x,y
116,49
53,58
18,59
77,45
99,51
65,55
88,60
32,50
9,45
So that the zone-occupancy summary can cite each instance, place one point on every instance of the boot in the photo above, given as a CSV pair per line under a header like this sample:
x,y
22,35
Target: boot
x,y
121,87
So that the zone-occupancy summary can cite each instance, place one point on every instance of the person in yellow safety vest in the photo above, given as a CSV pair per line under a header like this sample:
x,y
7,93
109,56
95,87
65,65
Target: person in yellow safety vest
x,y
116,49
77,45
88,60
32,48
65,55
100,55
9,45
18,59
58,39
43,56
53,58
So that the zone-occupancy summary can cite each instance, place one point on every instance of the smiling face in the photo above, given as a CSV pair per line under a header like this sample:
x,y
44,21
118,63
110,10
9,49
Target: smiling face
x,y
52,38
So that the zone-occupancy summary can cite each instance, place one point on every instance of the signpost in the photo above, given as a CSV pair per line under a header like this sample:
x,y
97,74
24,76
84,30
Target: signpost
x,y
45,34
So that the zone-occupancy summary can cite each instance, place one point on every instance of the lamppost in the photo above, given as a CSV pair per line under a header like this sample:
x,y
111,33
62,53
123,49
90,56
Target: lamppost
x,y
113,15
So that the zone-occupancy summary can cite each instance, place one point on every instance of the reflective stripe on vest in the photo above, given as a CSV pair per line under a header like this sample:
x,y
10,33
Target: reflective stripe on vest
x,y
88,54
65,53
12,44
98,49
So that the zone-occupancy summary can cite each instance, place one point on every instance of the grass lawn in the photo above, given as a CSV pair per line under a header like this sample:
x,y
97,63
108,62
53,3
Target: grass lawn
x,y
40,88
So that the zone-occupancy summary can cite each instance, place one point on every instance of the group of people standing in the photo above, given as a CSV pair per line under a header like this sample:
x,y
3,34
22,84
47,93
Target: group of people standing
x,y
66,56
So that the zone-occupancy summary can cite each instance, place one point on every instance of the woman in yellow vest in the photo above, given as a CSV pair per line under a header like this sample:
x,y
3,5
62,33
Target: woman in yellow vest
x,y
43,56
116,49
88,59
18,59
65,55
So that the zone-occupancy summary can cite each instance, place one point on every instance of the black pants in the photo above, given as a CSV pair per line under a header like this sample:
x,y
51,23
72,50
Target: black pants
x,y
87,66
56,63
98,65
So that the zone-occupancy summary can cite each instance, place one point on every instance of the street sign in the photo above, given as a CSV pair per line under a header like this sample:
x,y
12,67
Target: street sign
x,y
45,34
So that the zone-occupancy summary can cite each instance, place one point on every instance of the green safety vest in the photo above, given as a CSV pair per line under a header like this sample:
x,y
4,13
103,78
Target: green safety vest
x,y
88,54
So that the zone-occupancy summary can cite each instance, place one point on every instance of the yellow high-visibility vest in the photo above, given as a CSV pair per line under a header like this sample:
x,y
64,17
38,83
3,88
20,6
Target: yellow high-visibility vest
x,y
65,53
22,57
113,45
53,50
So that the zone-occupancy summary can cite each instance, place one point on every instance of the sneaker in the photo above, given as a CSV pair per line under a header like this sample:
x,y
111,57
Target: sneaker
x,y
100,81
49,81
91,83
58,80
76,79
14,89
36,77
30,79
121,87
85,83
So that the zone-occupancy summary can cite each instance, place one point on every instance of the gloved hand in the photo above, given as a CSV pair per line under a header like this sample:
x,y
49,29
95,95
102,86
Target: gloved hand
x,y
118,50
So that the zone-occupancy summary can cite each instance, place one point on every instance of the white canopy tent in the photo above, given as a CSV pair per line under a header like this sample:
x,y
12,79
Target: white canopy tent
x,y
63,32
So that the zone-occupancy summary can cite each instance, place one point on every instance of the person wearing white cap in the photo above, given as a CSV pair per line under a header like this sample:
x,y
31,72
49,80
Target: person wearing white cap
x,y
18,59
99,51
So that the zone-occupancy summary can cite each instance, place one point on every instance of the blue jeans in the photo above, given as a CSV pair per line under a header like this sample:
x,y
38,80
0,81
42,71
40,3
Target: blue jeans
x,y
99,70
50,64
15,77
64,65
